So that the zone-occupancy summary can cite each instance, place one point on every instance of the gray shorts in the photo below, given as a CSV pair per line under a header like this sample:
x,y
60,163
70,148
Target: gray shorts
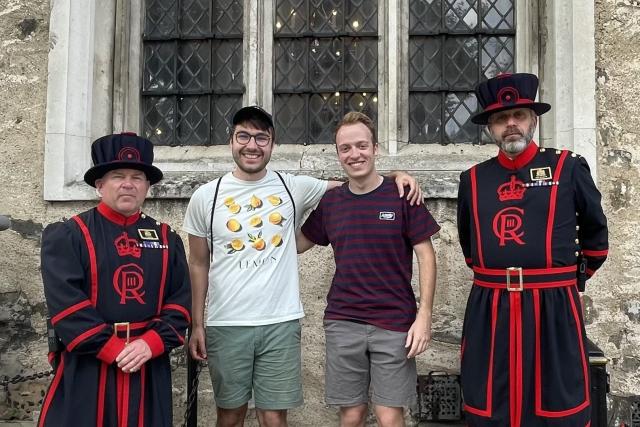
x,y
265,359
360,355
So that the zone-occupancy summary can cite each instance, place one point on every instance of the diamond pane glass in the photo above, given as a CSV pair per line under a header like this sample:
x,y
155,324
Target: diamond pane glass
x,y
425,16
194,17
425,117
497,55
158,119
193,66
193,120
227,17
291,16
227,65
325,64
458,108
461,63
425,63
159,66
460,15
325,111
290,63
326,16
498,14
363,102
361,64
161,17
361,16
222,109
290,118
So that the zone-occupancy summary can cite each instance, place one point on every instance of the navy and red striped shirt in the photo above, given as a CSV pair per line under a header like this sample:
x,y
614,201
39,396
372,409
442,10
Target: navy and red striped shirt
x,y
372,236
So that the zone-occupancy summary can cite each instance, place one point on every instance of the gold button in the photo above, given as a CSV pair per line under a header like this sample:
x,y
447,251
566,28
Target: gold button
x,y
143,216
577,241
558,151
542,150
577,253
573,154
157,223
577,227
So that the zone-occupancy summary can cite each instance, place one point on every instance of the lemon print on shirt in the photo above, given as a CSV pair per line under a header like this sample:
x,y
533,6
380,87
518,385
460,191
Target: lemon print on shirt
x,y
236,245
234,225
229,201
255,221
276,218
257,242
234,208
276,240
274,200
254,203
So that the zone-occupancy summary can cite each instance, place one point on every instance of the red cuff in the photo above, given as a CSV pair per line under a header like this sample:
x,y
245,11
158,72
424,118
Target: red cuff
x,y
111,349
154,341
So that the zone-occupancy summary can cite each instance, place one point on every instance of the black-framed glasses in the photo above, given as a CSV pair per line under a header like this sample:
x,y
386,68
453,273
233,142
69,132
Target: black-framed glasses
x,y
243,138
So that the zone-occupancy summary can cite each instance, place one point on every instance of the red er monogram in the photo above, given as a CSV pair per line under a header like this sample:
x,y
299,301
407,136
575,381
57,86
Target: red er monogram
x,y
128,280
507,224
127,246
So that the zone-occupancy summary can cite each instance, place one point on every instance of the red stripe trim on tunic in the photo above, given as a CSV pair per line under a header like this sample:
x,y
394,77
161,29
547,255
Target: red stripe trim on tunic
x,y
588,252
538,369
83,336
119,397
165,261
125,399
552,207
102,387
142,385
494,320
52,391
179,308
526,286
512,361
474,204
519,373
93,263
69,311
526,271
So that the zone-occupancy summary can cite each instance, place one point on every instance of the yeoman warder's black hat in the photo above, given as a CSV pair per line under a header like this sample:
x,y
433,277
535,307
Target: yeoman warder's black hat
x,y
507,91
122,151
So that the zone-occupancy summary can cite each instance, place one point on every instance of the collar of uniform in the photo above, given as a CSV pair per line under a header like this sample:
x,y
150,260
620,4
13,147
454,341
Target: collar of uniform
x,y
117,217
521,159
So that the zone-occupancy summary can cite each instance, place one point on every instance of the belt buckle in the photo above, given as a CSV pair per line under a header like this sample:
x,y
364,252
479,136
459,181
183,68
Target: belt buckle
x,y
520,286
116,328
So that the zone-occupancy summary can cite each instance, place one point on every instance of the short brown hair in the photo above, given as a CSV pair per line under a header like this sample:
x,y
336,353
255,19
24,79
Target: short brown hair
x,y
355,117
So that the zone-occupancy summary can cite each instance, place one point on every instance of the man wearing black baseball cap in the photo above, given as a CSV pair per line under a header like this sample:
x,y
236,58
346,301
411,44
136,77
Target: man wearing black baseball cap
x,y
532,228
242,253
117,288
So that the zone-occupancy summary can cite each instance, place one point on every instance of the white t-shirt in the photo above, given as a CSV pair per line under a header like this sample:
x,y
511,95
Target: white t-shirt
x,y
253,279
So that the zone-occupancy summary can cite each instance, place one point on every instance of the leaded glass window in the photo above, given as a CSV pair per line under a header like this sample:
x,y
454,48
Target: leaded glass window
x,y
192,71
453,44
325,57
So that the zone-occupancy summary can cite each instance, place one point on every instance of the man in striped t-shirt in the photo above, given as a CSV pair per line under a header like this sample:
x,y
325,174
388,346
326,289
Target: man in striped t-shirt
x,y
371,326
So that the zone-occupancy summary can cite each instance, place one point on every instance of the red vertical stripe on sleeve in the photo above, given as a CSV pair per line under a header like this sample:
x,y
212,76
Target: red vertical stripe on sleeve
x,y
552,208
476,219
93,263
165,262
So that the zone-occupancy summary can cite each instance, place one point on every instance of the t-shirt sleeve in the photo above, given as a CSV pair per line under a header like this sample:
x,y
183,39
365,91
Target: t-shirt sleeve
x,y
314,228
196,216
307,191
419,224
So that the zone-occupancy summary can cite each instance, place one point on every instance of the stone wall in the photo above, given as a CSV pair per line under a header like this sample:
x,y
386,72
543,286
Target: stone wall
x,y
612,301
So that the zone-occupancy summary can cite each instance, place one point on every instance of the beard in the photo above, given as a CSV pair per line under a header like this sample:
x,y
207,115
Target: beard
x,y
514,146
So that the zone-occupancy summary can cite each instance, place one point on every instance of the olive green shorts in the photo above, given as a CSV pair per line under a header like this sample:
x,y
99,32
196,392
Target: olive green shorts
x,y
265,359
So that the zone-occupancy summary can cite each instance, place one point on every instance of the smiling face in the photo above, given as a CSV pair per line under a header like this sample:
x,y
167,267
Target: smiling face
x,y
357,151
123,190
251,158
512,130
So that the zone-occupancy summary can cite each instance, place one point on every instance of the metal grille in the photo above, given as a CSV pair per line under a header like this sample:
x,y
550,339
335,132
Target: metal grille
x,y
635,413
192,76
453,45
325,64
439,397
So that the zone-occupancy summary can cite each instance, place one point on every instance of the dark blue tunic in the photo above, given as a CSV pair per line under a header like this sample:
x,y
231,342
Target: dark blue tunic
x,y
524,225
106,276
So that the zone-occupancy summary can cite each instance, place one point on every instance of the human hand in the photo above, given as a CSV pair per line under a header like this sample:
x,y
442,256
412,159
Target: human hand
x,y
418,337
133,356
197,346
403,179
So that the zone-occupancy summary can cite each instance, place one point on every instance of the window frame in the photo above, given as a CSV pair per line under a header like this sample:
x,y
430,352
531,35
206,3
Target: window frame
x,y
90,98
